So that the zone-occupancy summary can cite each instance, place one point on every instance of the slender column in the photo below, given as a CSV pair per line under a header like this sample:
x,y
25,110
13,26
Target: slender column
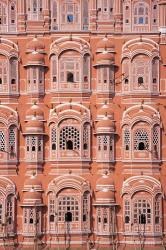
x,y
118,15
21,15
46,13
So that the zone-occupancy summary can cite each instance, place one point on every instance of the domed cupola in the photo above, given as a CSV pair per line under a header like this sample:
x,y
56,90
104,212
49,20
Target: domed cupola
x,y
35,110
35,66
105,45
35,45
105,66
34,133
34,126
32,207
105,204
33,183
105,190
105,110
105,131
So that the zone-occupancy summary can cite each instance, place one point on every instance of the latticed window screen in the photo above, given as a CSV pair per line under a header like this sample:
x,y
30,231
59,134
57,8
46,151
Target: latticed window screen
x,y
157,210
51,208
141,12
33,142
126,139
12,139
2,141
3,71
142,212
1,211
68,204
85,137
53,138
10,209
156,136
99,141
105,215
105,142
69,134
54,68
70,13
3,14
85,207
127,211
140,72
99,215
70,66
141,140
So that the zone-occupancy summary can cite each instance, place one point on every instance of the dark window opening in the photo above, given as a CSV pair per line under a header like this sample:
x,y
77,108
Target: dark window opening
x,y
105,9
52,218
0,80
154,20
127,219
141,146
31,221
156,220
126,81
13,81
111,9
0,21
142,219
85,146
127,147
70,77
39,148
155,7
12,21
127,21
140,80
99,148
54,79
85,78
68,208
84,217
70,18
33,148
140,20
99,219
105,221
12,7
127,7
27,148
105,147
110,147
10,220
69,145
105,81
154,80
68,217
53,146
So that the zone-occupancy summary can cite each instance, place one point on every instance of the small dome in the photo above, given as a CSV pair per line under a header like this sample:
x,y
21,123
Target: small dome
x,y
106,123
32,195
105,44
36,58
35,44
105,110
33,182
105,181
105,197
34,126
105,57
35,110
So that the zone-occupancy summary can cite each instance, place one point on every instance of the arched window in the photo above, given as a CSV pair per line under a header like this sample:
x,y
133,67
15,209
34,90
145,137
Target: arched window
x,y
126,139
54,75
68,208
53,138
3,17
69,138
127,212
70,77
141,13
34,10
141,140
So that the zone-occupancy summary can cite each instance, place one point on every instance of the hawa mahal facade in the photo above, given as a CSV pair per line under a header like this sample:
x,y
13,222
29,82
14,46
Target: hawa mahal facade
x,y
82,124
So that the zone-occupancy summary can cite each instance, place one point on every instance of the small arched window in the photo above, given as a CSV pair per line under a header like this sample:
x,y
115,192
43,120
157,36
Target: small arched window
x,y
69,145
140,81
70,77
